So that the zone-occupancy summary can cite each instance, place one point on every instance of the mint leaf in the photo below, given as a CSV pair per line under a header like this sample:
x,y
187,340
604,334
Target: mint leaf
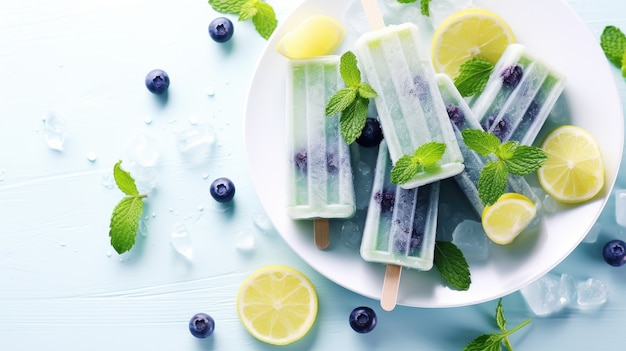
x,y
127,213
485,342
424,7
227,6
624,65
473,76
265,20
425,157
500,320
349,70
525,160
352,101
484,143
406,1
125,223
492,182
613,43
452,265
353,119
340,101
248,10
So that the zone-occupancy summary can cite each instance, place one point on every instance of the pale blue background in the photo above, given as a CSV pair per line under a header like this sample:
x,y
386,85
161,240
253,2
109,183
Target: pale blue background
x,y
62,287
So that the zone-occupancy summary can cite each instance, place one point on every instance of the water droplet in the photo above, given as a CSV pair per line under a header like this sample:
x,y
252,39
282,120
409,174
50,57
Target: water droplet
x,y
181,241
54,131
108,181
143,228
244,240
193,119
262,222
108,253
147,120
210,91
63,244
205,176
2,174
91,156
200,208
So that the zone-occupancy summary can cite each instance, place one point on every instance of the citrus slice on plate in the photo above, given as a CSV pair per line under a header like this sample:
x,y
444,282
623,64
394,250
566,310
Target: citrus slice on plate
x,y
316,36
277,304
574,170
466,34
506,218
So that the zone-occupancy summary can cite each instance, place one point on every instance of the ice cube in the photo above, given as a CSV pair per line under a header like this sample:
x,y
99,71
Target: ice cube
x,y
620,207
181,240
442,9
545,296
143,150
196,142
262,222
470,238
54,131
592,235
351,234
244,240
592,293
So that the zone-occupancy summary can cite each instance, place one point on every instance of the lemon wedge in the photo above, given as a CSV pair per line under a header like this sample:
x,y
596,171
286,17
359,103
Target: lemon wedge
x,y
506,219
277,304
574,170
466,34
316,36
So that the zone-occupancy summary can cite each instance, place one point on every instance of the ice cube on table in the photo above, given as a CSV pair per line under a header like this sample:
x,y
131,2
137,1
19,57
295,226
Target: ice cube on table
x,y
519,95
547,295
54,130
592,293
620,207
409,105
461,117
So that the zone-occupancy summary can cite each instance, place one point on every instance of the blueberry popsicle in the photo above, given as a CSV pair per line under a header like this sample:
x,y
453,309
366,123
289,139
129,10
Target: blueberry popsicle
x,y
519,95
409,104
462,117
319,177
400,226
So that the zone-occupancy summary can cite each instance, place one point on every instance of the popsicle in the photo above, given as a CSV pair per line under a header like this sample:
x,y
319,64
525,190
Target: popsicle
x,y
400,226
319,177
462,117
519,95
409,105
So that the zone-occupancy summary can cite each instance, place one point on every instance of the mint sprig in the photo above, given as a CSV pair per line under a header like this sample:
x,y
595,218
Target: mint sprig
x,y
473,76
261,13
613,43
127,213
351,102
425,158
423,5
510,158
494,341
452,265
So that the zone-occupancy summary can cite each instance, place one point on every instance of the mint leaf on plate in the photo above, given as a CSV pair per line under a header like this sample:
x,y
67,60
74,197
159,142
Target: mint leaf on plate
x,y
452,265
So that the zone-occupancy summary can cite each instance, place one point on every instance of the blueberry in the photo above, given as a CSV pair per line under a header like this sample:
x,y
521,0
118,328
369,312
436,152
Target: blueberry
x,y
301,160
385,199
372,133
512,75
408,244
222,189
532,111
332,162
201,325
157,81
419,87
456,115
221,29
614,252
363,319
500,129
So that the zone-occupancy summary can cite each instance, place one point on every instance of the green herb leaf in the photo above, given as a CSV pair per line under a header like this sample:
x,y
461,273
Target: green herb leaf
x,y
406,1
624,65
484,143
613,43
349,70
424,7
485,342
265,20
500,319
353,119
340,101
425,157
227,6
124,181
352,101
452,265
525,160
127,213
473,76
492,182
248,10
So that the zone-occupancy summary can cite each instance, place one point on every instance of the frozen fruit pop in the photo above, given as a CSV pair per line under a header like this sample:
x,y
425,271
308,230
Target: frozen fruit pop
x,y
409,104
400,226
462,117
519,95
319,172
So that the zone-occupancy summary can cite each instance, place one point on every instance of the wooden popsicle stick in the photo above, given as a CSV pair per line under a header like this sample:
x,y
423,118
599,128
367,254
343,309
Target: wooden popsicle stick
x,y
391,284
321,235
373,14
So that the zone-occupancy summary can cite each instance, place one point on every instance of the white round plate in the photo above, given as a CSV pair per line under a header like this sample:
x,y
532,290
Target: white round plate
x,y
547,27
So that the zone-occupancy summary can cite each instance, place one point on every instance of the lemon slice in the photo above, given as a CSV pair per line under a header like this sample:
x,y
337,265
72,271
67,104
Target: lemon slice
x,y
574,170
277,304
316,36
466,34
506,218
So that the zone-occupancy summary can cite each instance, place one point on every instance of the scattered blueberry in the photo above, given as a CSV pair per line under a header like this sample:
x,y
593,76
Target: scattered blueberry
x,y
419,87
456,115
408,244
532,111
363,319
201,325
512,75
222,189
332,161
221,29
301,160
614,252
385,199
372,133
500,129
157,81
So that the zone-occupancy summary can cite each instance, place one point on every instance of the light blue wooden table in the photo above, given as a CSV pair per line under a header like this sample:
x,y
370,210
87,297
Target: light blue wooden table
x,y
62,287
